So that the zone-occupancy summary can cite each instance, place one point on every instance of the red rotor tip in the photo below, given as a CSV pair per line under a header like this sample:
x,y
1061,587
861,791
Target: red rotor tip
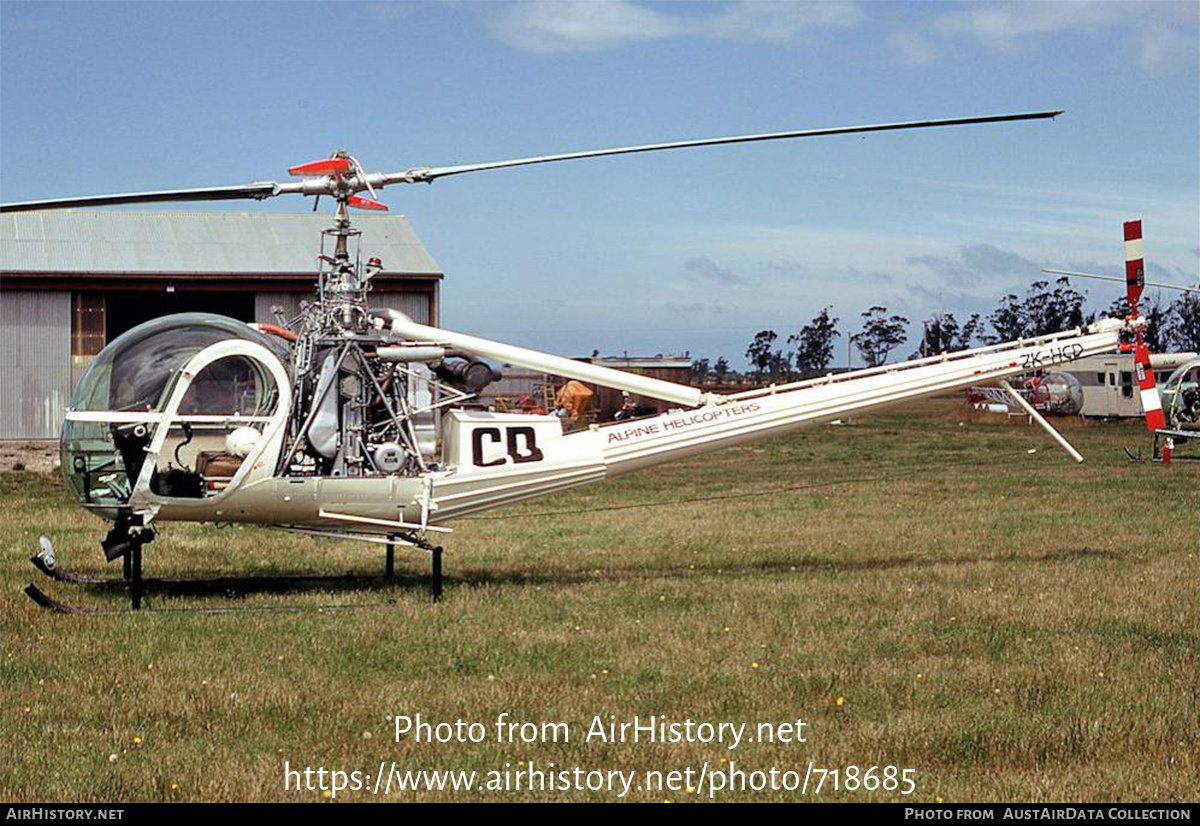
x,y
317,169
366,203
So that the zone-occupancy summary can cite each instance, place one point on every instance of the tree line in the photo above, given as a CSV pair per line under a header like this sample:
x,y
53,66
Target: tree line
x,y
1046,308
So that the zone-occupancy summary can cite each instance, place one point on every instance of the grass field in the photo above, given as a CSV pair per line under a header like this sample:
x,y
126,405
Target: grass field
x,y
917,587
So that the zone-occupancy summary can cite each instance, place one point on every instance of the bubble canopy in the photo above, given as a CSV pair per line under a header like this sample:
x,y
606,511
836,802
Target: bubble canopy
x,y
1061,393
136,370
119,403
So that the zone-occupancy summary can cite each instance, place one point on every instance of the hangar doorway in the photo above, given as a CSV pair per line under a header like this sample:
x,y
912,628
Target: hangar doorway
x,y
99,317
125,310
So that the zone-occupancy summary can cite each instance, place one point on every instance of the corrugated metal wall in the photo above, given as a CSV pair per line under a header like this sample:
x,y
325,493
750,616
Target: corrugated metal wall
x,y
36,378
35,363
290,302
414,305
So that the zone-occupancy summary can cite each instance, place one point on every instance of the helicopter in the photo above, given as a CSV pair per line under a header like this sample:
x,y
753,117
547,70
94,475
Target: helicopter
x,y
353,421
1174,406
1172,413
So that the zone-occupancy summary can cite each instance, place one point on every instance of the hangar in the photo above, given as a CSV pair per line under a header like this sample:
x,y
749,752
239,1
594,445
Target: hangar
x,y
73,280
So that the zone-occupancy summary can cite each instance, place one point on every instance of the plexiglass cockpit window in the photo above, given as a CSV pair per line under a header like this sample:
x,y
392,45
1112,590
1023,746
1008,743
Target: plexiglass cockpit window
x,y
136,371
233,386
93,462
1189,372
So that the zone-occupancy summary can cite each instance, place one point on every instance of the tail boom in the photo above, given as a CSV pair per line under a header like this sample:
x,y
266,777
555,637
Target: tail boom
x,y
603,451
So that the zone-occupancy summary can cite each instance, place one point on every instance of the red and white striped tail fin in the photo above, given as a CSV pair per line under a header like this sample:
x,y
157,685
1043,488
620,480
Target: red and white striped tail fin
x,y
1151,403
1135,282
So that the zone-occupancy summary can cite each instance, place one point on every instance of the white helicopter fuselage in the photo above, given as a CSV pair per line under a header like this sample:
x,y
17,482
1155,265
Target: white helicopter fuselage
x,y
359,429
492,459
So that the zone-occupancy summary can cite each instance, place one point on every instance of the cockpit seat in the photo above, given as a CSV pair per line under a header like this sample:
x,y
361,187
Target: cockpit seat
x,y
217,467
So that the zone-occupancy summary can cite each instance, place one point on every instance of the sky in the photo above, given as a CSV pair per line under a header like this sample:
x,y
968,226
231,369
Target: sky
x,y
691,250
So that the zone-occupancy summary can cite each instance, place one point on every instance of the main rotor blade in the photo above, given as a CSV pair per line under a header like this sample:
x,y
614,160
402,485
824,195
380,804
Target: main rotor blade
x,y
428,174
256,192
360,182
1121,279
247,191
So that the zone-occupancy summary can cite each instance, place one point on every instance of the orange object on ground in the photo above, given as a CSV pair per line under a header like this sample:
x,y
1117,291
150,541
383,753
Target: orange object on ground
x,y
573,397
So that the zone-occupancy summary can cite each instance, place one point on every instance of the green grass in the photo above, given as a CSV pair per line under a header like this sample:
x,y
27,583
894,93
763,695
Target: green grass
x,y
1009,625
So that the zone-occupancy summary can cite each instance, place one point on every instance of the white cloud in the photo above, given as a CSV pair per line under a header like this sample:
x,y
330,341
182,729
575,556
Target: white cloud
x,y
706,271
592,25
1008,26
912,49
578,25
1164,35
390,11
974,263
1165,47
752,20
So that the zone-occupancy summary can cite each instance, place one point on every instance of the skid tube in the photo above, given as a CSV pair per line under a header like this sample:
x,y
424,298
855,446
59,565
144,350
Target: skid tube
x,y
44,601
45,561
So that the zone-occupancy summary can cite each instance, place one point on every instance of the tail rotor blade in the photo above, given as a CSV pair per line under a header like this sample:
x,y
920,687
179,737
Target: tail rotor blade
x,y
1135,282
1135,264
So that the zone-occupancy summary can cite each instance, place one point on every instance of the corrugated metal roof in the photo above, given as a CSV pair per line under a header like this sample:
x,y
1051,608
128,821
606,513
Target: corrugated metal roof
x,y
108,241
643,362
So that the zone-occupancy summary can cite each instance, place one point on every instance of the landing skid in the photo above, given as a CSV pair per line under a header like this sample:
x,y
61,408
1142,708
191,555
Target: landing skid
x,y
1168,444
216,583
44,601
37,595
51,570
46,562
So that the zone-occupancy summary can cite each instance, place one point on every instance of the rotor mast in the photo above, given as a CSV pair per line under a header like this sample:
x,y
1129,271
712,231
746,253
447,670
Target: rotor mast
x,y
342,285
